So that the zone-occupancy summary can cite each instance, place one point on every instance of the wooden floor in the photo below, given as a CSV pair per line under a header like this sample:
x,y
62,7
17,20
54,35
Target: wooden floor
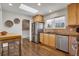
x,y
33,49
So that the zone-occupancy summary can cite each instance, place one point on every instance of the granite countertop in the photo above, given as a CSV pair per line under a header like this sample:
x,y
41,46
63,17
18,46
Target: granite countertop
x,y
64,33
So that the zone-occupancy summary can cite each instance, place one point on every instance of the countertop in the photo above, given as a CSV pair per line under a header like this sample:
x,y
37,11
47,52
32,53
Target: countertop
x,y
9,36
64,33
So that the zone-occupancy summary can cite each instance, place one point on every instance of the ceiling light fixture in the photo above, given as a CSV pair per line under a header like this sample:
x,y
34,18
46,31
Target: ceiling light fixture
x,y
27,8
10,4
39,4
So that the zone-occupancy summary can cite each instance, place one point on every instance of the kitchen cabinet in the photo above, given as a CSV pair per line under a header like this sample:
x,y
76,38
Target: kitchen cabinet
x,y
72,14
51,40
47,39
38,18
62,42
77,13
41,37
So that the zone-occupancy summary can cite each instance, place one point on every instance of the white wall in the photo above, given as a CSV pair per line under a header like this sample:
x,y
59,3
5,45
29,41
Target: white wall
x,y
16,28
56,14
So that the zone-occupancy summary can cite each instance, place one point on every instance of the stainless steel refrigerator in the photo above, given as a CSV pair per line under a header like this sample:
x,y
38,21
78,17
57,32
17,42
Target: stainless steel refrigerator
x,y
37,28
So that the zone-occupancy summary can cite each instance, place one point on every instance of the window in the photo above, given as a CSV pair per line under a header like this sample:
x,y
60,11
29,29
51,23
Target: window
x,y
49,24
56,23
60,22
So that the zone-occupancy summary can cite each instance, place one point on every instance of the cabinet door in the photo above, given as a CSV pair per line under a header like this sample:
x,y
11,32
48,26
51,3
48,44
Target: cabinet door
x,y
72,14
46,39
38,18
52,40
41,38
78,14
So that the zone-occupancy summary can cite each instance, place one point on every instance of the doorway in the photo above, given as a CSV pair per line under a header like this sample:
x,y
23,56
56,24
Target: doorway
x,y
26,29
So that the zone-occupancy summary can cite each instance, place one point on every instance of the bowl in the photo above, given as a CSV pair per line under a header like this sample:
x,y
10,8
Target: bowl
x,y
3,33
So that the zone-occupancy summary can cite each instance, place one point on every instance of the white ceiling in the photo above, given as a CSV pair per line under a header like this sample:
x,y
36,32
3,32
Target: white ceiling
x,y
44,8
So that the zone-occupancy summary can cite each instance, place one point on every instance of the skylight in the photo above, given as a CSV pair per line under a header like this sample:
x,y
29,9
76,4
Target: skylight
x,y
27,8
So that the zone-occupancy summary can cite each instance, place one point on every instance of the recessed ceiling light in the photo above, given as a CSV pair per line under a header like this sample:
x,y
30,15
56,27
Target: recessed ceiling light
x,y
10,4
39,4
27,8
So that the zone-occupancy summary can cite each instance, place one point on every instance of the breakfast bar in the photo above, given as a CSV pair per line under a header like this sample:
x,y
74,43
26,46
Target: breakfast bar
x,y
8,38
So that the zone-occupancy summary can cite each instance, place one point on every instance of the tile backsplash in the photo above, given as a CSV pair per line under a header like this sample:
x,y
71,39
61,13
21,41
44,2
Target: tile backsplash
x,y
68,29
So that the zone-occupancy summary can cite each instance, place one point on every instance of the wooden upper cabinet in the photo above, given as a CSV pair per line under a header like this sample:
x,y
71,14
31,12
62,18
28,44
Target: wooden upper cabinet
x,y
77,13
72,14
38,18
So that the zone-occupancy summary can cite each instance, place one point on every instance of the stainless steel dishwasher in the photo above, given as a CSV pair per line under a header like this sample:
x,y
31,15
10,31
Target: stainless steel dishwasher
x,y
62,42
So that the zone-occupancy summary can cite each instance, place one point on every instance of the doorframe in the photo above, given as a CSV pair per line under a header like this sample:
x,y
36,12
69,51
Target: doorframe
x,y
30,30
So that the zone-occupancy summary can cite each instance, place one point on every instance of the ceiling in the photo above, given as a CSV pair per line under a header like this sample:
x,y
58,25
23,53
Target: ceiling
x,y
43,9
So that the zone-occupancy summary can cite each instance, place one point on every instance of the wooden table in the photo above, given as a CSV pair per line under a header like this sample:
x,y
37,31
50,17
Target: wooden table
x,y
10,38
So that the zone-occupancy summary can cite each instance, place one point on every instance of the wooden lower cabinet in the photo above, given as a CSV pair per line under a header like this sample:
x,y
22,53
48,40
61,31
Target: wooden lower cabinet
x,y
47,39
52,40
41,37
